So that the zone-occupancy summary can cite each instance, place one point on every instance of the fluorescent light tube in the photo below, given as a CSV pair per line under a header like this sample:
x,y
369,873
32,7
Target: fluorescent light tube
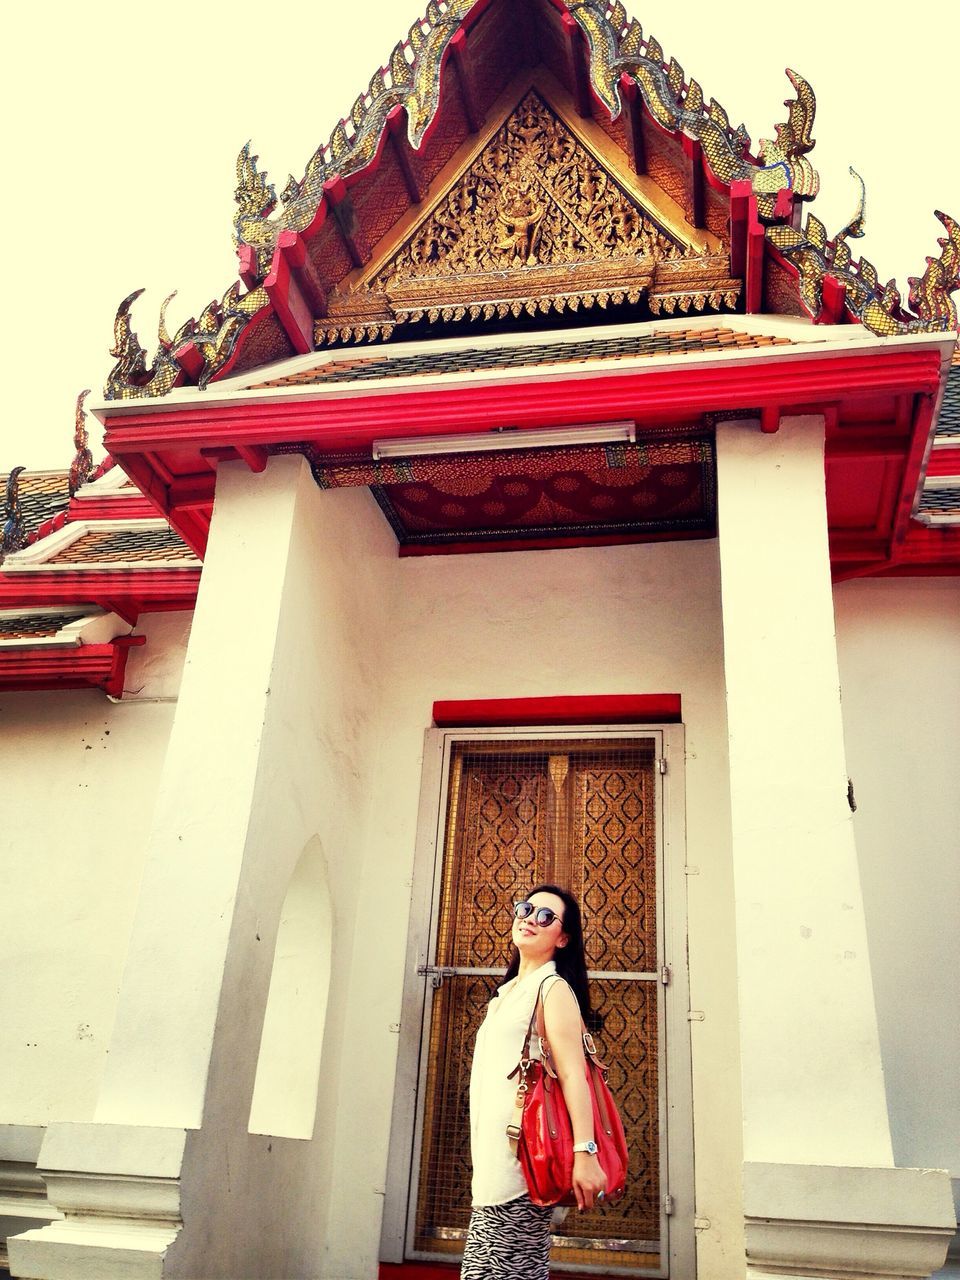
x,y
509,438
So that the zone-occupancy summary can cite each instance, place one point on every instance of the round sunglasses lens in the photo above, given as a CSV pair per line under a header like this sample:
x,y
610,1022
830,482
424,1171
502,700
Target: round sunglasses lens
x,y
545,916
522,909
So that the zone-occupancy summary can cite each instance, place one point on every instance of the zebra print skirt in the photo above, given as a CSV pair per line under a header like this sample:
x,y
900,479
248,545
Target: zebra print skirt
x,y
505,1241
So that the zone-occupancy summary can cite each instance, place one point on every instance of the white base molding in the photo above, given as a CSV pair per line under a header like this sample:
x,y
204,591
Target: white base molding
x,y
118,1188
23,1193
845,1223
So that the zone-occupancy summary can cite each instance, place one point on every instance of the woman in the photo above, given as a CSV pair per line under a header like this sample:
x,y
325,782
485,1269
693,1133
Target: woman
x,y
509,1236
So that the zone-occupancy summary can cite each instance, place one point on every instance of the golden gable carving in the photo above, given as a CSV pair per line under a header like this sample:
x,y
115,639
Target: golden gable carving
x,y
533,197
534,224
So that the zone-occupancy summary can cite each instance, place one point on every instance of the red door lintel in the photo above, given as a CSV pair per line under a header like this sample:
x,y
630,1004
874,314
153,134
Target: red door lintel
x,y
613,708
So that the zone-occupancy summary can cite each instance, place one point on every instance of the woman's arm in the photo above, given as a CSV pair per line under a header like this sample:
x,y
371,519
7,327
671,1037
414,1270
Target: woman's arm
x,y
562,1021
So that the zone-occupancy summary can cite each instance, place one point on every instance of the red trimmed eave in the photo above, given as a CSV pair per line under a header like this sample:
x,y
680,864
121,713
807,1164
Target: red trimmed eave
x,y
83,666
170,451
125,592
104,508
924,551
111,507
905,547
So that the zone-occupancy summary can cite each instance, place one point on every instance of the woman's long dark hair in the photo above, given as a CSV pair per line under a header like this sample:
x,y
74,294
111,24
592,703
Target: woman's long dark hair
x,y
570,960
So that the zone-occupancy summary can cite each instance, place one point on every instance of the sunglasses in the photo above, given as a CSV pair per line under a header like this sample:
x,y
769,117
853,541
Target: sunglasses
x,y
542,916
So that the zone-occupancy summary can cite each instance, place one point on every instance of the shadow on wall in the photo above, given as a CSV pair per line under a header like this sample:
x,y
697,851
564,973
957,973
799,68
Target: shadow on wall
x,y
288,1067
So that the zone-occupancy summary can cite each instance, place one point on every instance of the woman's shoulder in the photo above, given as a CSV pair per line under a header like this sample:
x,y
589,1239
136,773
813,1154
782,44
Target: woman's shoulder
x,y
554,982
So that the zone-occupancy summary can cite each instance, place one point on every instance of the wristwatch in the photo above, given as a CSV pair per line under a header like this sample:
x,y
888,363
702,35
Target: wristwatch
x,y
589,1147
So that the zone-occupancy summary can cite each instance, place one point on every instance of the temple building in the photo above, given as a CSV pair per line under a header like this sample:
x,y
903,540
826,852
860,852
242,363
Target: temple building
x,y
519,513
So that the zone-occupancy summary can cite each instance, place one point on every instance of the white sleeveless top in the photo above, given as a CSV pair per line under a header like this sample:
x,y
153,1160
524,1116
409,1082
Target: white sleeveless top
x,y
497,1176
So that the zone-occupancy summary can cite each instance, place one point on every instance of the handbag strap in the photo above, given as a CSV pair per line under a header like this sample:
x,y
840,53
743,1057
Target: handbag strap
x,y
590,1056
538,1023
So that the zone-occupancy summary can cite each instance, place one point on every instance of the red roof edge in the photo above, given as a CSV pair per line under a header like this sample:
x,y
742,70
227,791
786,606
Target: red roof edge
x,y
85,666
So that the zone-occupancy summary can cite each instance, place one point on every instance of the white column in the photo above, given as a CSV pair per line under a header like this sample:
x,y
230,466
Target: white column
x,y
241,793
166,1013
812,1077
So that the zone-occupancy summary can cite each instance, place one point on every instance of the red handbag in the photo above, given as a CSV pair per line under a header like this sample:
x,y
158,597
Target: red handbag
x,y
540,1129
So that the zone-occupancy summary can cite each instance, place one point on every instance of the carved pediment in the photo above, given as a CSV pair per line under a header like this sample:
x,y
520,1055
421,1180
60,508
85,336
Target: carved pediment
x,y
534,224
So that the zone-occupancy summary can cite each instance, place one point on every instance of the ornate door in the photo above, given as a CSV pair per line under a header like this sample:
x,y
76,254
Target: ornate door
x,y
583,814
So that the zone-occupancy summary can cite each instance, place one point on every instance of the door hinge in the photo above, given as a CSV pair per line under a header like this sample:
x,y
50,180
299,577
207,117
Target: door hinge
x,y
665,975
662,764
435,974
668,1204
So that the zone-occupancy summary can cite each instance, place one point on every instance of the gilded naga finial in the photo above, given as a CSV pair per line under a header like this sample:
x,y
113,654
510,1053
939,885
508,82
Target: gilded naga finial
x,y
255,196
14,534
130,356
930,294
855,227
878,307
131,377
82,463
785,163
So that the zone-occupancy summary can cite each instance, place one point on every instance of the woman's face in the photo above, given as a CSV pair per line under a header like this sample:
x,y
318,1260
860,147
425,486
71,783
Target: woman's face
x,y
539,942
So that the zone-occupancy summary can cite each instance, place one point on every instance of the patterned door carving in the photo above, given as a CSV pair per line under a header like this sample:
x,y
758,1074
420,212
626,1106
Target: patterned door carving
x,y
579,813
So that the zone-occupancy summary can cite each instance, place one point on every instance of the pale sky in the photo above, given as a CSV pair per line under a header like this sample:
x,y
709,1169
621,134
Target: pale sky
x,y
123,122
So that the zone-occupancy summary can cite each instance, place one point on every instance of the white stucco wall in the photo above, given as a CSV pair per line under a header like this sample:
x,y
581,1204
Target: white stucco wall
x,y
79,780
899,650
363,643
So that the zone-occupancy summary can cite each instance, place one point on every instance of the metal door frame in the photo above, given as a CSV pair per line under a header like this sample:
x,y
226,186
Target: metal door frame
x,y
677,1208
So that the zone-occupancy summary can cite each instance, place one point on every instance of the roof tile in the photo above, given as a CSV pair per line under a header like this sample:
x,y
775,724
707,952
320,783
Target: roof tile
x,y
115,545
42,495
474,359
948,424
35,626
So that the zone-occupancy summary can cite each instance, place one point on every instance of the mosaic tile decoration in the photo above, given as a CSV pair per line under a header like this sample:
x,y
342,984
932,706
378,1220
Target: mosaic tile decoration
x,y
473,359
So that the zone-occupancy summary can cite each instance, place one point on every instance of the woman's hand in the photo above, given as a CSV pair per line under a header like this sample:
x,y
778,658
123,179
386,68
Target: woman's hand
x,y
588,1179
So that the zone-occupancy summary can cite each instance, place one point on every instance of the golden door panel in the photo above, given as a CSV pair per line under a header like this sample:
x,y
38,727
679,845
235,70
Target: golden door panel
x,y
581,814
494,853
614,838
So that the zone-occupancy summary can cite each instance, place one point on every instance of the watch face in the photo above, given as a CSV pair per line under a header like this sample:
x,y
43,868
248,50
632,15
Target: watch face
x,y
589,1147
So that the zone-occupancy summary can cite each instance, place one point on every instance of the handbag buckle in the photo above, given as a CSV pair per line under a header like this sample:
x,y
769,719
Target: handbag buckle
x,y
588,1044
